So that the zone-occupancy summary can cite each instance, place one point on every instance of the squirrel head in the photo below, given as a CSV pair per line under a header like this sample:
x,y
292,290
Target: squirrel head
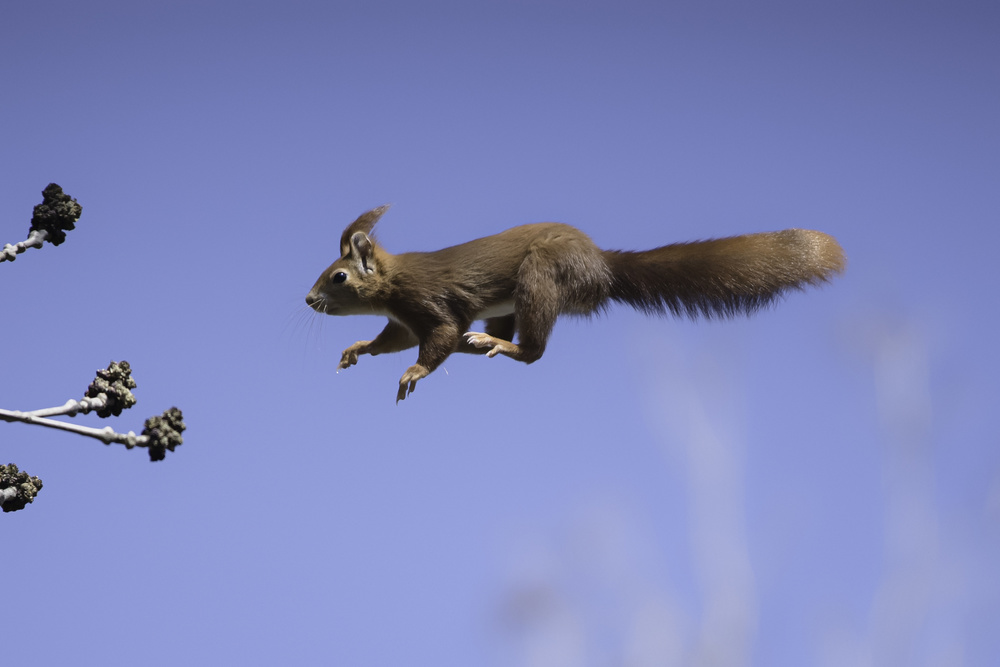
x,y
350,286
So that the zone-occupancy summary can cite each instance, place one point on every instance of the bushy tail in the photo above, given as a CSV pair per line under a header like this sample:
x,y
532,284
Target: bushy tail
x,y
723,277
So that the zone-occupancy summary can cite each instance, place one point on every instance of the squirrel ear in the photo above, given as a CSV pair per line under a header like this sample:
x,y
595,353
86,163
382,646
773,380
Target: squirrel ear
x,y
365,223
362,248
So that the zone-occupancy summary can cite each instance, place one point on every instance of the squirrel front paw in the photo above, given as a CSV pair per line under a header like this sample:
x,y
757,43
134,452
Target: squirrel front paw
x,y
408,382
350,355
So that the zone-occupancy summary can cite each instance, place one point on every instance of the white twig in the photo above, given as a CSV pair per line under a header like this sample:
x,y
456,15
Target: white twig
x,y
70,408
35,240
107,435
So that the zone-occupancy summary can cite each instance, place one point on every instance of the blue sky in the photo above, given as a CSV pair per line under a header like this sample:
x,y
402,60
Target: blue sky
x,y
819,484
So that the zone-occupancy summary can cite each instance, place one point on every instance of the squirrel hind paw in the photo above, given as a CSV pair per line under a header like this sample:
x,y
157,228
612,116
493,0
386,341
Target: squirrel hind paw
x,y
497,345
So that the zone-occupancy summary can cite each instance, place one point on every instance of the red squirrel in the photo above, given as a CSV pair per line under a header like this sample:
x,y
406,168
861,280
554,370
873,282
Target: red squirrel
x,y
521,280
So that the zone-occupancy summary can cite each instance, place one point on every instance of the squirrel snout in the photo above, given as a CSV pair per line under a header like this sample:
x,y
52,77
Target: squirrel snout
x,y
315,300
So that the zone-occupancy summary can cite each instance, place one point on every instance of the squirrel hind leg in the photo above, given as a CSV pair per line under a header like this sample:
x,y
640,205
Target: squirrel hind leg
x,y
529,348
501,327
532,324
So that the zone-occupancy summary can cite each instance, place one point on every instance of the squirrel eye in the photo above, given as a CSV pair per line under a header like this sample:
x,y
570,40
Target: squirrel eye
x,y
339,277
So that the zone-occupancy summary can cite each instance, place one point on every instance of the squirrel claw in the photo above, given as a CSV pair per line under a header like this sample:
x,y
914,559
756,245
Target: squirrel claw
x,y
478,339
408,382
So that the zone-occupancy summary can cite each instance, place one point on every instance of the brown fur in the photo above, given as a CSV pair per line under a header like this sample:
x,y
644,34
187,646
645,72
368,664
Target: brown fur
x,y
522,279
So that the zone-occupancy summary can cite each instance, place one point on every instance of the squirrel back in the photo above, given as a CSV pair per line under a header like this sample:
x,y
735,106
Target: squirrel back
x,y
519,281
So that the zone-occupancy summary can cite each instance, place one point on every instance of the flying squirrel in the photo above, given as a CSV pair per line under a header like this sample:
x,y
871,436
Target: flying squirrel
x,y
522,279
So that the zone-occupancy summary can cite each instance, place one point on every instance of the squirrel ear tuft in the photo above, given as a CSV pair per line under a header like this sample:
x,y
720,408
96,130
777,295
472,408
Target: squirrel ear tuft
x,y
365,223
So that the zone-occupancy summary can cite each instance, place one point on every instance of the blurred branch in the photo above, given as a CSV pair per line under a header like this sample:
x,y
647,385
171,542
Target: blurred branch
x,y
56,215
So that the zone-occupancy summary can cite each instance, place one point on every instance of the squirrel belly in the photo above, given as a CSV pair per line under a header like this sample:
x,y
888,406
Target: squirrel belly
x,y
519,281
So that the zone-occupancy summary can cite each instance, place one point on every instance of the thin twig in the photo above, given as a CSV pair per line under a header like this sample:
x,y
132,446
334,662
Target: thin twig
x,y
107,435
71,408
35,240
